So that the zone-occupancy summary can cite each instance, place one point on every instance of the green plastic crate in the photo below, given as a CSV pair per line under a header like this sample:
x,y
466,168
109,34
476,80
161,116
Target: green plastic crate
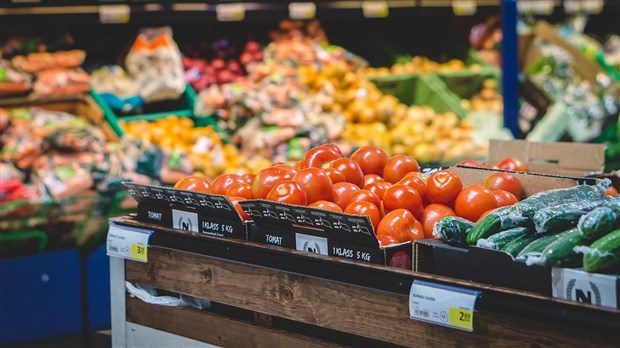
x,y
188,99
422,90
466,83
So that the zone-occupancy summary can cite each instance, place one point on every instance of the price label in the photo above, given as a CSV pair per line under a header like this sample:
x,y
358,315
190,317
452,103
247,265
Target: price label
x,y
443,305
230,12
586,6
302,10
375,9
128,242
464,7
114,14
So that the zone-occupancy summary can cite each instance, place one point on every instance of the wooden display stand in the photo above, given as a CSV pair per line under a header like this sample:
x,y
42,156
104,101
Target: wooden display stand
x,y
269,296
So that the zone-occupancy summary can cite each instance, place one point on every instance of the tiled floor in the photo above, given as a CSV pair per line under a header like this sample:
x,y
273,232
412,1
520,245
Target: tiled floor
x,y
100,339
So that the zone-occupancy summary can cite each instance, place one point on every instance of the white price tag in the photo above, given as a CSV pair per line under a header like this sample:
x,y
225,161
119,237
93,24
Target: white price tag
x,y
543,7
230,12
114,14
581,286
464,7
592,6
375,9
443,305
128,242
302,10
312,244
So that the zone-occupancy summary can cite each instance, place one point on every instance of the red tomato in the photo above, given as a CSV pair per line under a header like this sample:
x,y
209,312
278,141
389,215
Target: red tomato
x,y
422,176
443,186
417,184
267,178
194,183
611,191
402,197
401,225
285,166
220,185
242,213
334,147
370,178
378,188
350,170
316,183
367,209
298,165
473,201
371,159
326,205
398,166
248,178
320,156
241,189
431,214
484,214
513,164
490,166
471,163
365,196
386,240
334,175
288,191
342,192
504,181
504,198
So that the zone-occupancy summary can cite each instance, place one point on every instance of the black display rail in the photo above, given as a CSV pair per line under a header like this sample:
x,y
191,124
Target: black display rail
x,y
28,12
176,257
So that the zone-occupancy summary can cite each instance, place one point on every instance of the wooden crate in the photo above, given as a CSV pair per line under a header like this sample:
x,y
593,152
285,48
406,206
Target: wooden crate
x,y
277,297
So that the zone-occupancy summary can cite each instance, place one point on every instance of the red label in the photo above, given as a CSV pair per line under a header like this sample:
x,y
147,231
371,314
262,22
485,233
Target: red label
x,y
400,259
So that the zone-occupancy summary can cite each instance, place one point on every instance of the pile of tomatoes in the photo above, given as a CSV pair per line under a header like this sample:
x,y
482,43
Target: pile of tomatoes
x,y
401,203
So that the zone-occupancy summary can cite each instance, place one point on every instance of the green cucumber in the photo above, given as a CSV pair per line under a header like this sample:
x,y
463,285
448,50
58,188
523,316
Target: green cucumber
x,y
600,221
561,252
521,213
513,248
498,240
539,244
603,254
452,229
564,216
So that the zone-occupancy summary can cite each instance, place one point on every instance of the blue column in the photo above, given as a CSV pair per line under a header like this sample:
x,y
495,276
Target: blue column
x,y
510,68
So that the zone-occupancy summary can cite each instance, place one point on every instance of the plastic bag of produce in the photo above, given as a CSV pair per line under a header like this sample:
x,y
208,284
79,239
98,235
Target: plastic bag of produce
x,y
567,215
61,81
116,88
65,180
35,62
149,295
155,62
12,81
599,221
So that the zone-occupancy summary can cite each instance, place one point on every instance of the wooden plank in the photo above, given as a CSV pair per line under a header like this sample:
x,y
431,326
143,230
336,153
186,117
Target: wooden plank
x,y
355,310
212,328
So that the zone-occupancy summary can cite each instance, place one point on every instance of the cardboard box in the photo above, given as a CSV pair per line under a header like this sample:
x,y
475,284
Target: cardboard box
x,y
212,215
568,159
322,232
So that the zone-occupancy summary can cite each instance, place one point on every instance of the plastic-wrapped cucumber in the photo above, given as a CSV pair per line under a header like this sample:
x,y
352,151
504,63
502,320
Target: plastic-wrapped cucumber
x,y
603,254
567,215
521,213
539,244
513,248
452,229
561,252
498,240
599,221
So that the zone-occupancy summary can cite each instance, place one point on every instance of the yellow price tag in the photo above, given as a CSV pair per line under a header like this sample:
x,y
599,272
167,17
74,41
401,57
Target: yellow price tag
x,y
461,318
139,252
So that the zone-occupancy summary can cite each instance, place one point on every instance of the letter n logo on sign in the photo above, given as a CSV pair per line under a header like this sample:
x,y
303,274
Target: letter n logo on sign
x,y
184,220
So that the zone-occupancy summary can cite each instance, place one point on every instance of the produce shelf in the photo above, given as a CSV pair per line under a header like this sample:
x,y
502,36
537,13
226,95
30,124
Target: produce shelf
x,y
369,302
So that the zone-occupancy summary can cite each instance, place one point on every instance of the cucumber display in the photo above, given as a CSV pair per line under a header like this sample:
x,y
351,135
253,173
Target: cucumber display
x,y
561,252
539,244
498,240
600,221
521,213
603,254
564,216
452,229
513,248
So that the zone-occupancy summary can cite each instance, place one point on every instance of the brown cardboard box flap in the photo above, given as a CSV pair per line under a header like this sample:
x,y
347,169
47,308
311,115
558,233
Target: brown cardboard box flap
x,y
570,159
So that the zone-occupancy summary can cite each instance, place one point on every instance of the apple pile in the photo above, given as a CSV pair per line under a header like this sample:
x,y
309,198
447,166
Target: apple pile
x,y
401,203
